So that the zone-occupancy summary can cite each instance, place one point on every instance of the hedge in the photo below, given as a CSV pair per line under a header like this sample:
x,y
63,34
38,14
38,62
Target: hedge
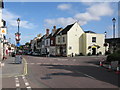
x,y
113,57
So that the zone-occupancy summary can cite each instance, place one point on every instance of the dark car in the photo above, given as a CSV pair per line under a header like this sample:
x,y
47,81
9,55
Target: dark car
x,y
13,54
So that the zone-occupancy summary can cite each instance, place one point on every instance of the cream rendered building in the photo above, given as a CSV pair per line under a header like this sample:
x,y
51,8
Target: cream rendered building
x,y
72,40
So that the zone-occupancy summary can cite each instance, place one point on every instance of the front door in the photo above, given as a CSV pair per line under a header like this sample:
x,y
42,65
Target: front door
x,y
93,51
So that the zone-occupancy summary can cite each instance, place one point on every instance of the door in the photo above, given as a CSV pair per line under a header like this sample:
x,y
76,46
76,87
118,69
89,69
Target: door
x,y
93,51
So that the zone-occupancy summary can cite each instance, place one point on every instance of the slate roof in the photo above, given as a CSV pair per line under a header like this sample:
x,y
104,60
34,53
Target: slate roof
x,y
66,29
57,31
89,32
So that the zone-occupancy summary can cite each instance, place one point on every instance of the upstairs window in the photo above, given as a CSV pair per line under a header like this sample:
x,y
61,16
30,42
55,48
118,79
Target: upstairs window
x,y
93,39
63,39
51,41
58,39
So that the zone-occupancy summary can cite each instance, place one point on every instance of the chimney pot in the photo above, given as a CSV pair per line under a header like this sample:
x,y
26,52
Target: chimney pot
x,y
47,32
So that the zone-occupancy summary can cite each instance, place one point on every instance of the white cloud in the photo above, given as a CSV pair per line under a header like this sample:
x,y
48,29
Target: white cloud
x,y
94,12
11,18
64,6
102,9
59,21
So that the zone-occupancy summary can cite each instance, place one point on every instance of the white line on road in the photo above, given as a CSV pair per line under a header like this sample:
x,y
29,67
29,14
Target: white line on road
x,y
26,83
17,83
87,75
94,65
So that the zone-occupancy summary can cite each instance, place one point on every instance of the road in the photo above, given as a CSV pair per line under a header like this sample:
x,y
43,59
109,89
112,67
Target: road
x,y
61,72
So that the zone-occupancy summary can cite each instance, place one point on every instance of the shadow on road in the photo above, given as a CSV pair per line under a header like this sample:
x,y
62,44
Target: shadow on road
x,y
78,71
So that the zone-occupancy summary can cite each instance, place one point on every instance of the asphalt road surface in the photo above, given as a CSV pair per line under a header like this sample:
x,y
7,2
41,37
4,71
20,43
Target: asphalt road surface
x,y
60,72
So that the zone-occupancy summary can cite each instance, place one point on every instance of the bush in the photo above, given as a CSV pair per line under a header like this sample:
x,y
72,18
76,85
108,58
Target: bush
x,y
89,54
113,57
81,54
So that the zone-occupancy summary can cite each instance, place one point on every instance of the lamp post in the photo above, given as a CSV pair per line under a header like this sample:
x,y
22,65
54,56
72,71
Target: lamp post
x,y
105,41
18,21
60,44
113,20
18,33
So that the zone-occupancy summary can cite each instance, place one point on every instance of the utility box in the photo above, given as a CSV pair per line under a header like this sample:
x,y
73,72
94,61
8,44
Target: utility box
x,y
18,59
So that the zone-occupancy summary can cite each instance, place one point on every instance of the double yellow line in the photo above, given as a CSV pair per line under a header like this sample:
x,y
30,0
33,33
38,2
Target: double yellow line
x,y
25,70
25,67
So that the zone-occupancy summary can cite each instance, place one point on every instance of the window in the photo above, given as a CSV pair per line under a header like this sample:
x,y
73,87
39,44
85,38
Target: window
x,y
47,42
63,39
51,41
58,39
93,39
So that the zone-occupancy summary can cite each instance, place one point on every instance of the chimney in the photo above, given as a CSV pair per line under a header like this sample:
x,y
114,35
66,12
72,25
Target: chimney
x,y
53,30
47,32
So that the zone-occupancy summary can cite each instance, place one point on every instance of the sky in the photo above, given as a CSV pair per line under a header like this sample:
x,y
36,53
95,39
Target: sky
x,y
36,17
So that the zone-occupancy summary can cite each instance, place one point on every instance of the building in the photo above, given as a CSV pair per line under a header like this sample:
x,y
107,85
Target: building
x,y
72,40
114,44
69,41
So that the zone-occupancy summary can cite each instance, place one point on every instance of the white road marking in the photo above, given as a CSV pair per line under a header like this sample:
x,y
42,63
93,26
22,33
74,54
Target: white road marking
x,y
86,75
17,83
94,65
2,64
26,83
89,76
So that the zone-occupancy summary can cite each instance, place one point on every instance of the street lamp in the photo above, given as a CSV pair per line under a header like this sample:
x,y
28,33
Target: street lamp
x,y
61,44
105,44
18,33
105,34
18,21
113,20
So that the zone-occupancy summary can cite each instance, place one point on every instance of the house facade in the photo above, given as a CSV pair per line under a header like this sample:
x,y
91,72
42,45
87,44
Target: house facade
x,y
72,40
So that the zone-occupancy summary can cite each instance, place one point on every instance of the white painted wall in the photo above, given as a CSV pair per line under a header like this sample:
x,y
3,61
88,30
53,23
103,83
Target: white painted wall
x,y
73,39
99,41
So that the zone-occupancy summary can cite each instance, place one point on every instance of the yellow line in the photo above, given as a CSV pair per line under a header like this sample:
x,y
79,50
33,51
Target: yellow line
x,y
25,67
24,72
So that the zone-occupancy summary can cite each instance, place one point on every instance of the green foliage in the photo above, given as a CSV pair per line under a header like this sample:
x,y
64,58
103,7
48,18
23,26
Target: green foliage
x,y
113,57
89,54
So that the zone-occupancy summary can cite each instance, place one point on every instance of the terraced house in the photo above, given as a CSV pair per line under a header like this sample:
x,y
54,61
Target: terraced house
x,y
71,41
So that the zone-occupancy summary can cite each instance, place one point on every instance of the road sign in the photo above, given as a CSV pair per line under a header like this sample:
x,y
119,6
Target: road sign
x,y
3,31
18,44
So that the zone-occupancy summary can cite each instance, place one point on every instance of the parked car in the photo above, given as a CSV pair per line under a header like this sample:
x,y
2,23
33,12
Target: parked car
x,y
13,54
18,58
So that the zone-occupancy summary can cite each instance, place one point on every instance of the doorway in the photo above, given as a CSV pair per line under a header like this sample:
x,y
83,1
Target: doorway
x,y
93,51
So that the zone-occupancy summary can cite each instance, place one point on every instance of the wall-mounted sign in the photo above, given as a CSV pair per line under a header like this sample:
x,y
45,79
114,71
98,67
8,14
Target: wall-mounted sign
x,y
3,31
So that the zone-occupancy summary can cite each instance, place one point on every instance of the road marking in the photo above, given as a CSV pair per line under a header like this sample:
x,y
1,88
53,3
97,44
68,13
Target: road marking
x,y
17,83
89,76
2,64
94,65
86,75
26,83
25,67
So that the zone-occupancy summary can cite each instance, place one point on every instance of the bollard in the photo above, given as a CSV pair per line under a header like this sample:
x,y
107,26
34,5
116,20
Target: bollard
x,y
118,70
101,63
109,67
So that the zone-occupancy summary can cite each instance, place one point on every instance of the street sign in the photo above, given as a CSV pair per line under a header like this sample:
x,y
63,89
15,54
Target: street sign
x,y
3,31
18,44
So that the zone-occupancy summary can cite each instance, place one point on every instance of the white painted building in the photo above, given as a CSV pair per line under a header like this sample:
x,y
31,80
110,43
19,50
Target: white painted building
x,y
72,40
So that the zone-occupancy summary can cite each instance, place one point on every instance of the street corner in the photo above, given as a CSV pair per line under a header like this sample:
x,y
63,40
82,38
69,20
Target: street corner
x,y
11,68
